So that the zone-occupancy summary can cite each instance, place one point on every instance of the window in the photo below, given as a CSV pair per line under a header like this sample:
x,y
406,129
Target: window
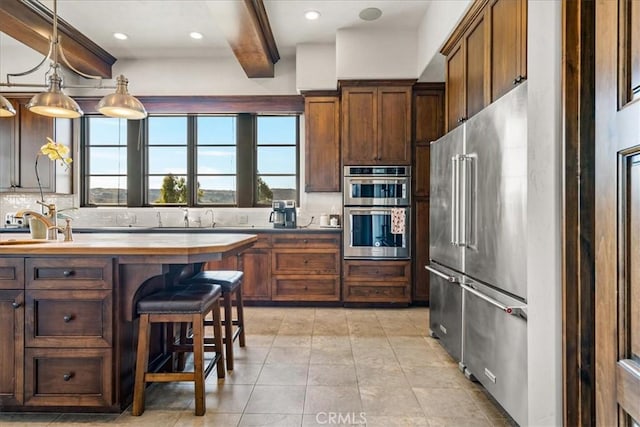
x,y
105,161
234,160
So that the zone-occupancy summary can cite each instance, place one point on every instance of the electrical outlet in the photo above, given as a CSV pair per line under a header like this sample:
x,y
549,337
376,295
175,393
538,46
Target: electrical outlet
x,y
243,219
10,220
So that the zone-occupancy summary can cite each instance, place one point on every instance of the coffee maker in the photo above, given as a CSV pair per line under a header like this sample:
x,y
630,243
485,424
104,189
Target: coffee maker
x,y
283,214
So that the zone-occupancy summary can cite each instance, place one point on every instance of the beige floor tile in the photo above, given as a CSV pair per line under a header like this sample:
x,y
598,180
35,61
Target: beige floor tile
x,y
365,343
447,402
322,341
338,399
486,404
32,420
283,374
366,330
276,399
412,357
458,422
375,357
275,420
150,418
333,375
303,328
331,356
381,375
396,421
258,340
209,419
177,395
389,400
262,327
436,377
293,355
227,398
249,354
292,341
243,373
84,419
331,328
398,342
349,419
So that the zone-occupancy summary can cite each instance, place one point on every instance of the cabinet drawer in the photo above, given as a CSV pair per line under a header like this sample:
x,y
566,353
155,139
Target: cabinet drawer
x,y
317,261
367,292
68,318
68,377
306,240
305,288
11,273
379,271
66,273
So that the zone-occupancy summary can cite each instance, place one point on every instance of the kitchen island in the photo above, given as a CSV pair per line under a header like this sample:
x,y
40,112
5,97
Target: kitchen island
x,y
68,329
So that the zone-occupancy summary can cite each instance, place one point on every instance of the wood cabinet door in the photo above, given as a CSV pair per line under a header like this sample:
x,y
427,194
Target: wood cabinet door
x,y
322,143
256,265
12,344
455,87
8,156
34,130
421,251
359,129
394,125
428,113
508,45
476,66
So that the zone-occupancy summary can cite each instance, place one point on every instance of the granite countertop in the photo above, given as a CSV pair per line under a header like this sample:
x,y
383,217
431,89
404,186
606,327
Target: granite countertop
x,y
190,230
186,244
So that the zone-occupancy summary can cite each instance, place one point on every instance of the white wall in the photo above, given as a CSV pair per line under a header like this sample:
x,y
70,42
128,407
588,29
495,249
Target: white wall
x,y
316,66
544,200
367,54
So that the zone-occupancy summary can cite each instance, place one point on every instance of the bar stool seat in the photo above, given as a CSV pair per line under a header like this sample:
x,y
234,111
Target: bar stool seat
x,y
231,283
185,304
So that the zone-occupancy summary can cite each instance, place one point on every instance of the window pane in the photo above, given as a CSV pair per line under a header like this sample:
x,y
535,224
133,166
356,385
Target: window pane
x,y
167,131
111,190
168,189
278,130
276,160
108,160
107,131
164,160
218,160
276,188
216,130
219,190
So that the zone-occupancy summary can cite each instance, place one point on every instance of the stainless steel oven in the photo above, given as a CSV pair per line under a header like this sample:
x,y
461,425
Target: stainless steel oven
x,y
377,185
376,212
376,232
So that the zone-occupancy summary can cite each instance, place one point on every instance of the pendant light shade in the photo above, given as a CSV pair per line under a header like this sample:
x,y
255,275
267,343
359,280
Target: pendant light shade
x,y
53,102
121,104
6,109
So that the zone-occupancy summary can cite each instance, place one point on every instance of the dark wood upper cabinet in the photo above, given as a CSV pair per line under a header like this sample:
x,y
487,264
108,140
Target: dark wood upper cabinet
x,y
486,57
322,142
376,125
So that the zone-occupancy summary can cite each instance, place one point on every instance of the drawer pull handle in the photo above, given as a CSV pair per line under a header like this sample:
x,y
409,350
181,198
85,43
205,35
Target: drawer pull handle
x,y
306,288
15,304
67,273
68,318
67,377
305,241
306,261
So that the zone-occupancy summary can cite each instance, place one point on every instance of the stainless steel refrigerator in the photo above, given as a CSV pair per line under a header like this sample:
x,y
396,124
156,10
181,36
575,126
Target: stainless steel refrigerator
x,y
477,247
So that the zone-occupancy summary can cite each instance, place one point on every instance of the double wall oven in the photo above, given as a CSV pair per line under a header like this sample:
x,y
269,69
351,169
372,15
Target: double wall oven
x,y
377,212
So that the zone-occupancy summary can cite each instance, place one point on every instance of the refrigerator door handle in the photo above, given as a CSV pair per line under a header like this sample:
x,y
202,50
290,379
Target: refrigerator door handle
x,y
519,311
455,208
462,199
439,273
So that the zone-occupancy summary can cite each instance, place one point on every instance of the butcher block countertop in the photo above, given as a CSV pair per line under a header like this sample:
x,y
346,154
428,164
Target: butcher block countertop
x,y
134,244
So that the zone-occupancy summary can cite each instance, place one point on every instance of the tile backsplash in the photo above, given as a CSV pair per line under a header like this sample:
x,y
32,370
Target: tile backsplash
x,y
312,205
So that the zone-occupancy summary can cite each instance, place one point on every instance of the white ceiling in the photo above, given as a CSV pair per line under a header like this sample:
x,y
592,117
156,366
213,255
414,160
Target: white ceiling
x,y
160,28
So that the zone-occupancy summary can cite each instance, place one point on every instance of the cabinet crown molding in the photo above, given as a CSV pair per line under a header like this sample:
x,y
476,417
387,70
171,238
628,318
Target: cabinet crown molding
x,y
475,10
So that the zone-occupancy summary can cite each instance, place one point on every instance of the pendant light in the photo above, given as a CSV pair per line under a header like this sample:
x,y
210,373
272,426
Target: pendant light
x,y
55,103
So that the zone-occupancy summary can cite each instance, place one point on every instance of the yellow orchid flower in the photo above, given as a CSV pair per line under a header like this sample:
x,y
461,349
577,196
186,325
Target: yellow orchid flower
x,y
56,151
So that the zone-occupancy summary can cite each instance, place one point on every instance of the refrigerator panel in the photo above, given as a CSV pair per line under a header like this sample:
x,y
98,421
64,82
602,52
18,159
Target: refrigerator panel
x,y
495,347
495,193
443,199
445,310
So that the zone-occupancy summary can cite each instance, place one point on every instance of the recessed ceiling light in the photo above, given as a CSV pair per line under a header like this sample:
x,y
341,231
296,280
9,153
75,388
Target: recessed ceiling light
x,y
312,15
120,36
370,14
195,35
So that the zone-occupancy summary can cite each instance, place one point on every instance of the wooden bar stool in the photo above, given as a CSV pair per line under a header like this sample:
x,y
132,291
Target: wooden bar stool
x,y
231,283
185,304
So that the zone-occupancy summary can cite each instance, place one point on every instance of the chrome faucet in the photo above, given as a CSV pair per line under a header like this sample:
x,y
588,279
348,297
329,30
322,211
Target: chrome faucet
x,y
186,217
48,222
213,222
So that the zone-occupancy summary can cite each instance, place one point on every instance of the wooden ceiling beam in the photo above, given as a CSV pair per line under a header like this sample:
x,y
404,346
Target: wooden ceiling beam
x,y
247,30
31,23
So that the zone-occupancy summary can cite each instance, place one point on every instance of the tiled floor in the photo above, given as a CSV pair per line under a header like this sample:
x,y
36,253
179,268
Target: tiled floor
x,y
319,366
